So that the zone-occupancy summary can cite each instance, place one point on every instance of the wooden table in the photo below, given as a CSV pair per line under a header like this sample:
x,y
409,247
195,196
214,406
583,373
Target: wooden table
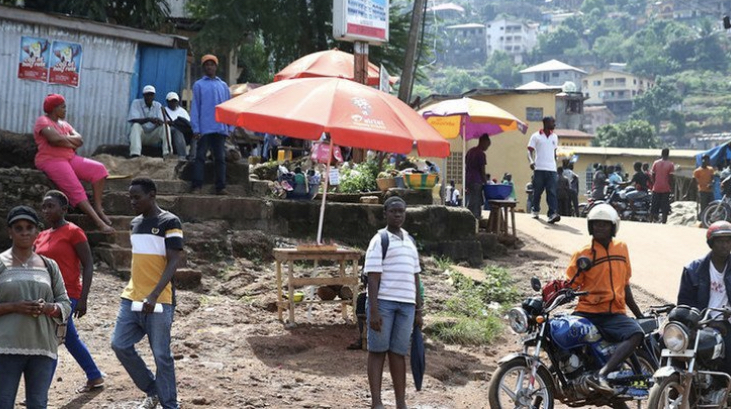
x,y
345,277
500,211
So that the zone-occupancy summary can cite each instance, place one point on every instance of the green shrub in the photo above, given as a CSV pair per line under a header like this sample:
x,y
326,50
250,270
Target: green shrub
x,y
360,178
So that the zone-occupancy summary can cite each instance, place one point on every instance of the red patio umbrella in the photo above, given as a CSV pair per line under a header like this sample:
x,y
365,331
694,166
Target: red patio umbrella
x,y
329,63
352,115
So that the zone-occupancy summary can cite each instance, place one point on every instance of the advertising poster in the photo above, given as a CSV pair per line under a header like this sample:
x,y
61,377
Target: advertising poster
x,y
34,58
65,63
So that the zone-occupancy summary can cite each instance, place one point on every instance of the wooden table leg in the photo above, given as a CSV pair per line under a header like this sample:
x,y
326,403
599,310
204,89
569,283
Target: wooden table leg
x,y
279,290
512,217
290,289
343,306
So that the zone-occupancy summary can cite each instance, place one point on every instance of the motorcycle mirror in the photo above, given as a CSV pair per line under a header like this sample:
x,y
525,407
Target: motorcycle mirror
x,y
583,263
535,283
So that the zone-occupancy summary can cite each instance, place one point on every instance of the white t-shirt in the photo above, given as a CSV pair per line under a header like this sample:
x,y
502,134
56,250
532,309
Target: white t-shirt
x,y
545,148
455,195
397,270
178,112
718,297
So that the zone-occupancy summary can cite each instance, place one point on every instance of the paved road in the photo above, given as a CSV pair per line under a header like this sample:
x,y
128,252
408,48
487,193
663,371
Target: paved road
x,y
658,252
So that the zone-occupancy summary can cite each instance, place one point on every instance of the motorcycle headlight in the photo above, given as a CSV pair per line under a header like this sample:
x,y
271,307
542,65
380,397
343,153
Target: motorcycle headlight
x,y
675,337
518,320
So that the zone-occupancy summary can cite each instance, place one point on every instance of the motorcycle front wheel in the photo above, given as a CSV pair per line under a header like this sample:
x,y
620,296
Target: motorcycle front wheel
x,y
715,211
510,387
668,394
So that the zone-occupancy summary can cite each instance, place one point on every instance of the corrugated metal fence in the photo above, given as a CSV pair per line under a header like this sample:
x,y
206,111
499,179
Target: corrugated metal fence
x,y
97,108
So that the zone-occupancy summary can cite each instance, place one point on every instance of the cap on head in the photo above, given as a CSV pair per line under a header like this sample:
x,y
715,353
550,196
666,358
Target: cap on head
x,y
22,213
718,229
209,57
52,101
172,96
148,89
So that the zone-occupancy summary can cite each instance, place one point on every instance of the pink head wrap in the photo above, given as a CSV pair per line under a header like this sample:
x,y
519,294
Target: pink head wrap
x,y
52,101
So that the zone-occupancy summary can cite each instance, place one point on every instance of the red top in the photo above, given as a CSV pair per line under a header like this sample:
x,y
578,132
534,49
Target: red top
x,y
662,169
59,245
45,150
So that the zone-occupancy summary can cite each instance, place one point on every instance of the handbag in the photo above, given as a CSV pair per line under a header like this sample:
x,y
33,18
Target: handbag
x,y
60,328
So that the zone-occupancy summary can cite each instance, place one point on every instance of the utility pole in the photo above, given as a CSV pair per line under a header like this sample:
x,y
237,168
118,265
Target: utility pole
x,y
407,76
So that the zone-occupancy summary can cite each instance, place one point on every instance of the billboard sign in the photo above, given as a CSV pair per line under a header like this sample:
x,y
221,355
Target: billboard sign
x,y
361,20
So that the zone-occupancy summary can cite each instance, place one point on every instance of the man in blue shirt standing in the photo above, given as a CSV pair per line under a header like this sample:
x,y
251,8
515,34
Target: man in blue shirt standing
x,y
208,92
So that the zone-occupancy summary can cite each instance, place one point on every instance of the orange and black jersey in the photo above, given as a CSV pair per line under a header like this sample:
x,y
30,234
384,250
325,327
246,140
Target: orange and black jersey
x,y
606,280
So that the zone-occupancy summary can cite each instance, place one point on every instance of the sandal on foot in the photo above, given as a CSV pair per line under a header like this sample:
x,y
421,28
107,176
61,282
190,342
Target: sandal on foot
x,y
89,387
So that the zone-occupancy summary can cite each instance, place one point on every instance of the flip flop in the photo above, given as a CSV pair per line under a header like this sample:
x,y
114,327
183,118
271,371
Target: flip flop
x,y
88,388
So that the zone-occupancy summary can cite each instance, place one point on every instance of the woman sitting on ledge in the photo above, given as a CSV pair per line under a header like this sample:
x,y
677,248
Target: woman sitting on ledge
x,y
57,143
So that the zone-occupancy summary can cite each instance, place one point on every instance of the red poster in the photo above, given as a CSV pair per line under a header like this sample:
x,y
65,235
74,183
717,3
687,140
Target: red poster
x,y
34,53
65,63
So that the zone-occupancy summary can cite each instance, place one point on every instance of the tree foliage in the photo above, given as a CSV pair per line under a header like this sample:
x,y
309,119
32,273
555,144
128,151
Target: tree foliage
x,y
632,133
280,31
141,14
655,105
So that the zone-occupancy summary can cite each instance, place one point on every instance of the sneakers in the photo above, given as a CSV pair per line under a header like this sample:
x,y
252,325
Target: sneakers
x,y
535,214
553,219
600,383
196,190
150,403
222,192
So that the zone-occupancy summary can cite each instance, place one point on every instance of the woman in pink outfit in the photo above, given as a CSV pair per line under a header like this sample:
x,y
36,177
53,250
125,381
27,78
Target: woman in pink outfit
x,y
57,143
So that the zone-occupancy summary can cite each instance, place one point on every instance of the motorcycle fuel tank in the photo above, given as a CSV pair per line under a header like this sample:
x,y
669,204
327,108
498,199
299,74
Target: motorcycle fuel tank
x,y
572,331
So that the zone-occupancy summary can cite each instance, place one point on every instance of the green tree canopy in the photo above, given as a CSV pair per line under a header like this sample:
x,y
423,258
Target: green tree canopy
x,y
656,104
633,133
141,14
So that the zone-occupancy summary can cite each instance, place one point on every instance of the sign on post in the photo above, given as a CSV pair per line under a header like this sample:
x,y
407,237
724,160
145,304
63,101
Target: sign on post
x,y
361,20
383,83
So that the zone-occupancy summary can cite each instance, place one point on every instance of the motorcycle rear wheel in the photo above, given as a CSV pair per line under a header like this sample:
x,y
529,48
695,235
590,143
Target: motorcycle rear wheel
x,y
668,394
715,211
509,387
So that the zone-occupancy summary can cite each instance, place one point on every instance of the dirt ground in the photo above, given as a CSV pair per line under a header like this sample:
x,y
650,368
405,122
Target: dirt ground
x,y
231,352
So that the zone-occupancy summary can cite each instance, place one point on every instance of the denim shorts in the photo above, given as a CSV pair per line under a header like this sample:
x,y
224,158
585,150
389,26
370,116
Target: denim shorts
x,y
395,334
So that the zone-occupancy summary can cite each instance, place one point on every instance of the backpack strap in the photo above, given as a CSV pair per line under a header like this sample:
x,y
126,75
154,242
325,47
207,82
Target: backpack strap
x,y
384,242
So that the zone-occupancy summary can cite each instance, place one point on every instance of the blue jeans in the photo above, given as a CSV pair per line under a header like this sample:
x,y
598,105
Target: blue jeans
x,y
130,329
396,327
218,148
78,349
38,373
545,180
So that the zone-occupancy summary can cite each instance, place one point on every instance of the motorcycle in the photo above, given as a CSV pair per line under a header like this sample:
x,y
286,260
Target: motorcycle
x,y
575,350
689,376
718,210
631,204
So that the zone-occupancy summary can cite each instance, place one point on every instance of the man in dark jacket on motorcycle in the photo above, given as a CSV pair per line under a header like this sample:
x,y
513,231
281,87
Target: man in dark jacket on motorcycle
x,y
706,282
607,282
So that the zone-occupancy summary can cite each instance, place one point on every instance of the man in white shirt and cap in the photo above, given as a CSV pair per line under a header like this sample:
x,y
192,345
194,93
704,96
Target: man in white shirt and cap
x,y
148,124
173,111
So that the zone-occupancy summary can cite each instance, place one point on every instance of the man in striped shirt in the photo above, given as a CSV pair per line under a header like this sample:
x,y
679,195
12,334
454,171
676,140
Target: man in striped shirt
x,y
394,302
157,242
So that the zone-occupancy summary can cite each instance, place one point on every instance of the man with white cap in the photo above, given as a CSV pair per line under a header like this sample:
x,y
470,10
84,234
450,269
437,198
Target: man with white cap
x,y
148,125
208,92
179,122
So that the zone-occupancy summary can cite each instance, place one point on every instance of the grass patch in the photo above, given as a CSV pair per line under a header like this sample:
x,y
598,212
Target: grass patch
x,y
443,263
467,331
472,315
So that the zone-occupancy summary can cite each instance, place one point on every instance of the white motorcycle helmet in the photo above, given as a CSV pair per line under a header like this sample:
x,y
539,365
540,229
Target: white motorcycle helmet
x,y
603,212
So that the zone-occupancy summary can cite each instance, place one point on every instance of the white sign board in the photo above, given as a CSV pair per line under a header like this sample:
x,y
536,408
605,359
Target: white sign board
x,y
383,83
361,20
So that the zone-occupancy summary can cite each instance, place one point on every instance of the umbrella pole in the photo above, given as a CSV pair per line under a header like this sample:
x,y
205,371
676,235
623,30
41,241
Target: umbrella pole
x,y
464,164
324,195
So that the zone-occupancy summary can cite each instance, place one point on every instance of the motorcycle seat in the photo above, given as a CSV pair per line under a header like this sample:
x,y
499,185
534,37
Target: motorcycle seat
x,y
648,325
